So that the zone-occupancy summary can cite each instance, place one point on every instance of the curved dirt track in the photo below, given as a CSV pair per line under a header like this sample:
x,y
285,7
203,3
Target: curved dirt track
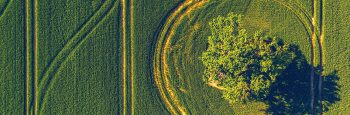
x,y
315,40
161,70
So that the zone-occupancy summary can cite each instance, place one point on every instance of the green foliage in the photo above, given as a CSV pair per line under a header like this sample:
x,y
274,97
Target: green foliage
x,y
269,16
244,65
84,85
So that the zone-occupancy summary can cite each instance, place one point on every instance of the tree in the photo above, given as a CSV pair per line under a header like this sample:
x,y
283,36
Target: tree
x,y
242,66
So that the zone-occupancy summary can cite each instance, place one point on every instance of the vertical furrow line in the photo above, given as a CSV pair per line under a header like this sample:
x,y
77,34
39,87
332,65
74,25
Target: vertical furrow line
x,y
321,32
320,42
35,52
26,104
31,58
124,71
132,56
27,60
317,10
312,93
128,49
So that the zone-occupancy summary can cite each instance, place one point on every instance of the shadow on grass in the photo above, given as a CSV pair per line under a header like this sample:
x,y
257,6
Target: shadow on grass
x,y
290,94
330,90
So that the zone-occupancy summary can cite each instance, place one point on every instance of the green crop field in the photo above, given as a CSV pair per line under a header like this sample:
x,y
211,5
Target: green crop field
x,y
109,57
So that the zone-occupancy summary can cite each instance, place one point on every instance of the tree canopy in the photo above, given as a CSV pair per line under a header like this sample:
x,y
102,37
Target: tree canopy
x,y
243,66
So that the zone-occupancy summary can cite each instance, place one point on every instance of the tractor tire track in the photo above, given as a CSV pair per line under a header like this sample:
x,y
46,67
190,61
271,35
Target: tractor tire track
x,y
71,38
312,40
318,40
73,35
132,37
128,59
303,11
161,70
31,57
320,44
305,22
72,45
124,62
157,56
3,9
35,51
314,37
74,39
27,65
31,49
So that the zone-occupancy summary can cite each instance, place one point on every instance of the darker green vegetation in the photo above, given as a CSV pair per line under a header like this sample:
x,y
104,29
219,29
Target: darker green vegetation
x,y
245,66
261,68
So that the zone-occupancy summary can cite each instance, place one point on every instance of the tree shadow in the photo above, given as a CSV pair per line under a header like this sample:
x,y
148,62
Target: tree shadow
x,y
291,91
330,90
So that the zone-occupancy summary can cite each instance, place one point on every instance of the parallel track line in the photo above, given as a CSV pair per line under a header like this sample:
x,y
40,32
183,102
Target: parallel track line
x,y
157,65
36,68
124,62
314,38
71,47
161,72
167,47
28,58
132,57
31,49
4,8
320,44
